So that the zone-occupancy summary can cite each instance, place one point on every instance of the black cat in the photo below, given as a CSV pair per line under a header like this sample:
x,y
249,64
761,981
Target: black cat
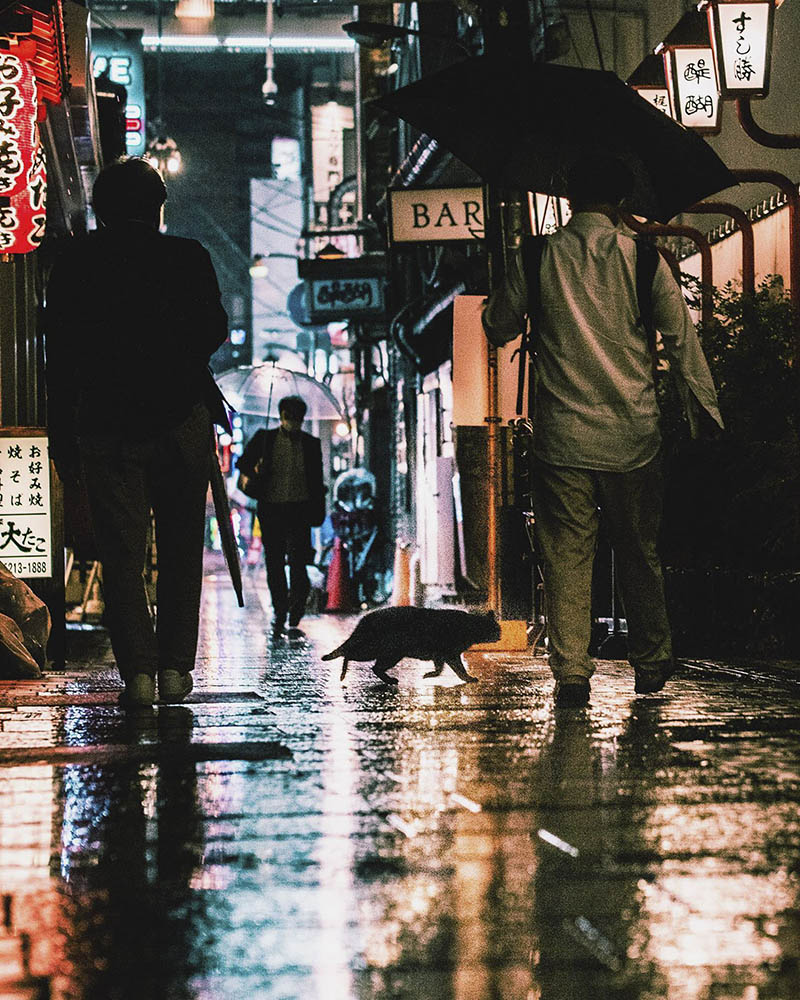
x,y
390,634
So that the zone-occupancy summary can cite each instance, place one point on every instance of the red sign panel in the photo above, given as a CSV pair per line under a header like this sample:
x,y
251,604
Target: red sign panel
x,y
18,131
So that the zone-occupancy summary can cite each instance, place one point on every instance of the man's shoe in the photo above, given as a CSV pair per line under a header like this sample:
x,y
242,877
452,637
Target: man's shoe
x,y
572,692
648,680
140,691
173,687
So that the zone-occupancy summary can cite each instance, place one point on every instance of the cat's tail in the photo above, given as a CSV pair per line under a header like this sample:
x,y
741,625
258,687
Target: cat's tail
x,y
339,651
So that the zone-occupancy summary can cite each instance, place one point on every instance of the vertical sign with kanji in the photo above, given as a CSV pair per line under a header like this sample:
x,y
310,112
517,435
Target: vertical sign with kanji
x,y
743,42
693,76
25,515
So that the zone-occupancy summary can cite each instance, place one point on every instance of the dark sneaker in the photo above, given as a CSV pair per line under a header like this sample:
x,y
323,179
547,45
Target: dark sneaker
x,y
649,679
140,691
173,687
572,692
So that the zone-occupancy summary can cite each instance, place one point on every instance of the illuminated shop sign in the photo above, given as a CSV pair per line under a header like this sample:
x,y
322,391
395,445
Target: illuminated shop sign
x,y
121,60
23,181
25,515
18,131
346,296
742,36
693,80
435,215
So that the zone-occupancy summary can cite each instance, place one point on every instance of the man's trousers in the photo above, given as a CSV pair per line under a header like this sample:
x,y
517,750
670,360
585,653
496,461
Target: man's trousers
x,y
285,531
124,480
566,502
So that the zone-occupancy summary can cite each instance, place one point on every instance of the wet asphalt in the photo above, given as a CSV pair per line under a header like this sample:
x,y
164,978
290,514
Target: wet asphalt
x,y
283,836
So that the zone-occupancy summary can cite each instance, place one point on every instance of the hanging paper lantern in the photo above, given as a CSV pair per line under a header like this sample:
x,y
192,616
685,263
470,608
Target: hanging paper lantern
x,y
23,216
742,37
18,111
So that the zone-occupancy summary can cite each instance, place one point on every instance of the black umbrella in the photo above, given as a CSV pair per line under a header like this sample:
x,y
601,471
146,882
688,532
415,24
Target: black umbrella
x,y
522,125
227,538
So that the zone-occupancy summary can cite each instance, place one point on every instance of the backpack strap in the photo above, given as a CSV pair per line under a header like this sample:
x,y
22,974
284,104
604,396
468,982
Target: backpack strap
x,y
532,250
647,256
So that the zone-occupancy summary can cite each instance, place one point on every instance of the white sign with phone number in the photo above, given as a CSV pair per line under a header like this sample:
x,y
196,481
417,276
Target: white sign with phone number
x,y
25,540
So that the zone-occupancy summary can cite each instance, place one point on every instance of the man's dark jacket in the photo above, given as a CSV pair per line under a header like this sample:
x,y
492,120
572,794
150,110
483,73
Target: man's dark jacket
x,y
261,446
132,318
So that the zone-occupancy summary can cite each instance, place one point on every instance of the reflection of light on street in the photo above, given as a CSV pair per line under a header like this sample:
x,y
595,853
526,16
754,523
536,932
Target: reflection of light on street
x,y
562,845
695,924
26,817
212,632
334,853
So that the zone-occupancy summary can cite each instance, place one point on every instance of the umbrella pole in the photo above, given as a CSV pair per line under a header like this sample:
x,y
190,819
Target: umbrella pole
x,y
506,25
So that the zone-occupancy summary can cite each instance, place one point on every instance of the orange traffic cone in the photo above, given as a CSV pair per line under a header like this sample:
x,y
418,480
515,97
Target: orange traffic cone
x,y
340,586
401,592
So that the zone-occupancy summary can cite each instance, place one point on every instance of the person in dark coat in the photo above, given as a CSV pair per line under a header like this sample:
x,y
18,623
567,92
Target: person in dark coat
x,y
132,318
288,463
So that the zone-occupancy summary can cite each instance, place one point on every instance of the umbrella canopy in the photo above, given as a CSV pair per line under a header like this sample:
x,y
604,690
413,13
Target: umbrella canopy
x,y
523,124
258,389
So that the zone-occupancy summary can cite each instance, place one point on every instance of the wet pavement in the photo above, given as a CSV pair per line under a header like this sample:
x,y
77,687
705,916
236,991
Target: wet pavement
x,y
285,837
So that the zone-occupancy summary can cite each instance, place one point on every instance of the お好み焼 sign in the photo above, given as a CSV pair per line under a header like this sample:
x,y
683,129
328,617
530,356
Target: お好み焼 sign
x,y
435,215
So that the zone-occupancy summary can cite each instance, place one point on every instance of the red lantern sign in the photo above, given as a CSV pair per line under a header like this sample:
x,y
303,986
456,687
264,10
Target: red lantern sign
x,y
23,217
18,133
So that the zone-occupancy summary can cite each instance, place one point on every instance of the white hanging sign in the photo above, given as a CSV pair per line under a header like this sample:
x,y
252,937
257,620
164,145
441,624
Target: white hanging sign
x,y
25,515
435,215
742,37
694,84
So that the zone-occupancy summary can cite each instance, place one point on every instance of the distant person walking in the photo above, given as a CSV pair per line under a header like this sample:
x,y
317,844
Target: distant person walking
x,y
596,437
132,318
288,464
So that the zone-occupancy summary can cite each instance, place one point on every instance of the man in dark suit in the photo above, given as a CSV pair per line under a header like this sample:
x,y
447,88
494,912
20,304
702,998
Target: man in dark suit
x,y
288,463
132,318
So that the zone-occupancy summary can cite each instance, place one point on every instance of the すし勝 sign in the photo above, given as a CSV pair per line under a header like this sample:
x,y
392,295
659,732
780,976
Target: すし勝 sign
x,y
25,515
434,215
742,37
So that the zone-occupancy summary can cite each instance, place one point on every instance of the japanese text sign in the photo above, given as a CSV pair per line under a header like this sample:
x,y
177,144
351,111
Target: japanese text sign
x,y
693,80
18,130
742,35
23,216
345,297
25,533
433,215
657,96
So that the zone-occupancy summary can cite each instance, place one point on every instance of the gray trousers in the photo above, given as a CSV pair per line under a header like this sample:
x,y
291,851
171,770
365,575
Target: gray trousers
x,y
566,502
124,480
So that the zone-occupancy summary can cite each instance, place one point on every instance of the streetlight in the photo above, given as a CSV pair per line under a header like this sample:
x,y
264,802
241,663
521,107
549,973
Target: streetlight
x,y
259,263
163,155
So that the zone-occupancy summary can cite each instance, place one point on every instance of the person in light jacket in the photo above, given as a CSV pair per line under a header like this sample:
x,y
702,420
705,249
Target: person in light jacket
x,y
596,437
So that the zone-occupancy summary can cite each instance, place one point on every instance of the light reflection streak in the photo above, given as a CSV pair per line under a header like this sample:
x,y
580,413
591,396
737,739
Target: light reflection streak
x,y
335,853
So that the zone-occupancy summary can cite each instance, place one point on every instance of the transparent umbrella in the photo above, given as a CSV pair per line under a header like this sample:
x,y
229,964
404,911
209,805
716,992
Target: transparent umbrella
x,y
257,389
